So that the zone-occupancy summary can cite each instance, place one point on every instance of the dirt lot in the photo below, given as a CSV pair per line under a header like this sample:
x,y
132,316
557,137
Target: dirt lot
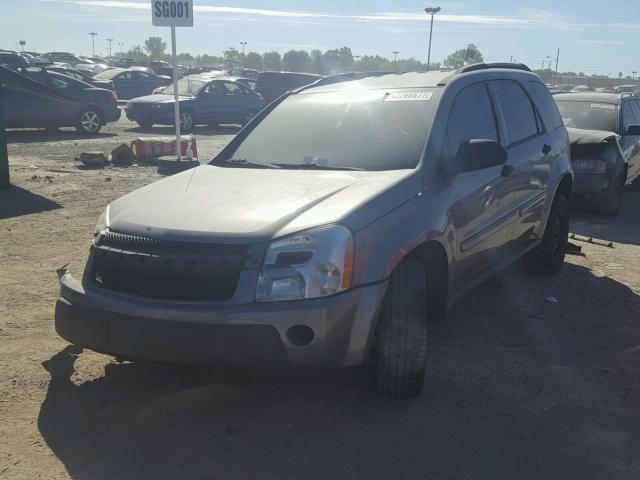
x,y
518,387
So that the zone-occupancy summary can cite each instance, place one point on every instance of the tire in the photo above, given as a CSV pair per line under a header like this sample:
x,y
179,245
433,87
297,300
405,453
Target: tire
x,y
401,350
609,202
548,255
248,117
145,124
89,121
187,122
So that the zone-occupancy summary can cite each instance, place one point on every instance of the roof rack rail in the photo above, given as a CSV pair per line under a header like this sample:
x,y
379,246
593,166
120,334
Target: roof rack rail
x,y
484,66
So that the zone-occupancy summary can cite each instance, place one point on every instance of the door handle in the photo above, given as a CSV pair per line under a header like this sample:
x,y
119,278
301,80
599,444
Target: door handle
x,y
546,149
506,170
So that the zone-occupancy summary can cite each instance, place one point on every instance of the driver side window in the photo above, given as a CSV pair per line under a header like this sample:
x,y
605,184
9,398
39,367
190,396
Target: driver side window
x,y
471,117
628,117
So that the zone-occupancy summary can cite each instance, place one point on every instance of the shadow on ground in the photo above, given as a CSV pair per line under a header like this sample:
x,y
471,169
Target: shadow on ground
x,y
617,229
517,388
40,136
16,201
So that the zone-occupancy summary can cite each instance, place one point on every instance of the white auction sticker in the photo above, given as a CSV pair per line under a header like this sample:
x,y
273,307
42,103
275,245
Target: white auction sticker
x,y
408,96
606,106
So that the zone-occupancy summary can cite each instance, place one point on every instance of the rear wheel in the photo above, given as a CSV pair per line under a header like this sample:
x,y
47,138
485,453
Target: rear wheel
x,y
248,117
548,255
186,121
89,121
401,350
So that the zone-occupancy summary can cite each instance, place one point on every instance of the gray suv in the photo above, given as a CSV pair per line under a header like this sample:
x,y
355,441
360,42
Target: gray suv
x,y
332,228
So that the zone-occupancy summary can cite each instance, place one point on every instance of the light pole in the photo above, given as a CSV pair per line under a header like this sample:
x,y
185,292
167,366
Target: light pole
x,y
633,75
244,44
431,11
93,43
109,40
121,46
395,56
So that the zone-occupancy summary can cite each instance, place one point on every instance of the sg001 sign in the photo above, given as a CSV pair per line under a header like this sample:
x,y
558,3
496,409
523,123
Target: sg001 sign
x,y
166,13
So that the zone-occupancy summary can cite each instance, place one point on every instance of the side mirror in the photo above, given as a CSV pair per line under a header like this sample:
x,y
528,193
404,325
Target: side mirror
x,y
477,154
633,130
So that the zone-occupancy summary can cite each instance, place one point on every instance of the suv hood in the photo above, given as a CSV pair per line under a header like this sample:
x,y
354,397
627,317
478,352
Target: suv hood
x,y
246,205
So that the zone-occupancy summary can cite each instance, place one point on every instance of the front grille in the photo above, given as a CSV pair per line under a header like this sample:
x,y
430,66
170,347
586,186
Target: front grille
x,y
166,269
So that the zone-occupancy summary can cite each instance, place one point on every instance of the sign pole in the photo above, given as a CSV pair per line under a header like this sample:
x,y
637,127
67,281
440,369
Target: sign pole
x,y
4,157
176,109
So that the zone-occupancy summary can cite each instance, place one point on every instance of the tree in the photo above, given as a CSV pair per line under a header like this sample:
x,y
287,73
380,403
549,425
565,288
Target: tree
x,y
296,61
136,53
231,56
253,60
464,56
272,61
155,47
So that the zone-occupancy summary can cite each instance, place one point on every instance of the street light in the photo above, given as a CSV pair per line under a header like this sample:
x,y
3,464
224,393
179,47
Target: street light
x,y
109,40
244,44
121,46
633,75
93,43
395,56
431,11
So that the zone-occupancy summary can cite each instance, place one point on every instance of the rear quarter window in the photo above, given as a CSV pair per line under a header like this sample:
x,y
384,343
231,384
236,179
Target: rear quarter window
x,y
546,105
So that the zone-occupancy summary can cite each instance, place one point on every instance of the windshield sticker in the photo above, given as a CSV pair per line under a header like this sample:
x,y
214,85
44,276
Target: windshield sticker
x,y
408,96
606,106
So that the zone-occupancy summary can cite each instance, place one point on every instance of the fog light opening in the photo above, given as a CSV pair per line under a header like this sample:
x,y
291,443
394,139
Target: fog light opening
x,y
300,335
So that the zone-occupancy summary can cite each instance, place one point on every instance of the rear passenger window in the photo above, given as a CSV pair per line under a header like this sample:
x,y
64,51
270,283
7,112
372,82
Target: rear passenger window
x,y
546,105
471,117
518,112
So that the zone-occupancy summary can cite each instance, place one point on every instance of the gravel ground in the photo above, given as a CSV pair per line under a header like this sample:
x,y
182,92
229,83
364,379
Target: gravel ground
x,y
518,387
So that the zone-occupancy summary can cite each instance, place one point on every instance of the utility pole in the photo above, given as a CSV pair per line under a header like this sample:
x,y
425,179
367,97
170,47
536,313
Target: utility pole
x,y
109,40
557,60
395,56
431,11
93,43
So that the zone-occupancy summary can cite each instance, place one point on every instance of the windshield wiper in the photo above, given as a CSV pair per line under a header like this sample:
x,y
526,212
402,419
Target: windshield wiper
x,y
244,162
314,166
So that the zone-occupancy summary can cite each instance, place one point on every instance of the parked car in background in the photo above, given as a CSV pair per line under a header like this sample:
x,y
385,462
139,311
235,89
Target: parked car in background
x,y
204,70
599,173
627,89
158,65
583,88
93,68
249,82
83,76
272,85
88,108
168,71
243,72
64,57
202,101
332,228
11,59
131,83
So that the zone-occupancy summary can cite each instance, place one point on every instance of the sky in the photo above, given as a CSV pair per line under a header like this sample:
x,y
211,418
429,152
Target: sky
x,y
593,36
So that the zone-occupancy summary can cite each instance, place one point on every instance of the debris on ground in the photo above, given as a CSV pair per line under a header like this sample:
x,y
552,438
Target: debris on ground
x,y
122,155
93,159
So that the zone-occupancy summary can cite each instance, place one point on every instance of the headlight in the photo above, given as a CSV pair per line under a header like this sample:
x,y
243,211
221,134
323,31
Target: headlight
x,y
310,264
103,222
589,165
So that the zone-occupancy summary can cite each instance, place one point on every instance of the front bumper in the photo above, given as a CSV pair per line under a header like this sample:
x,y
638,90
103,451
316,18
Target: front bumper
x,y
590,183
220,336
163,117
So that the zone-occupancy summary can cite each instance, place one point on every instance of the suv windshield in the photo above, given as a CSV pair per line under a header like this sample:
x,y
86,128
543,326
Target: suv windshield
x,y
589,115
187,87
350,128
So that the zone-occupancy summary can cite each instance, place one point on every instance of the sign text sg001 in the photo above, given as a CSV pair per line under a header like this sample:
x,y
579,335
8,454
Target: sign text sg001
x,y
178,13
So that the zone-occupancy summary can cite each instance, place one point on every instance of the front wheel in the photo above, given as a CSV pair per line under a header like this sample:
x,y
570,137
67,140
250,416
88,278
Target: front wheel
x,y
89,121
401,349
548,255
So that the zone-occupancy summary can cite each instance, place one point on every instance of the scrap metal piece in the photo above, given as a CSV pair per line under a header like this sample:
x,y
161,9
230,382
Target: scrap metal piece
x,y
591,240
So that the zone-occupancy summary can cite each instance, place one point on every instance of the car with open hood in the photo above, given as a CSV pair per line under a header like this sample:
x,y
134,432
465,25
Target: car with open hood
x,y
333,228
605,144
